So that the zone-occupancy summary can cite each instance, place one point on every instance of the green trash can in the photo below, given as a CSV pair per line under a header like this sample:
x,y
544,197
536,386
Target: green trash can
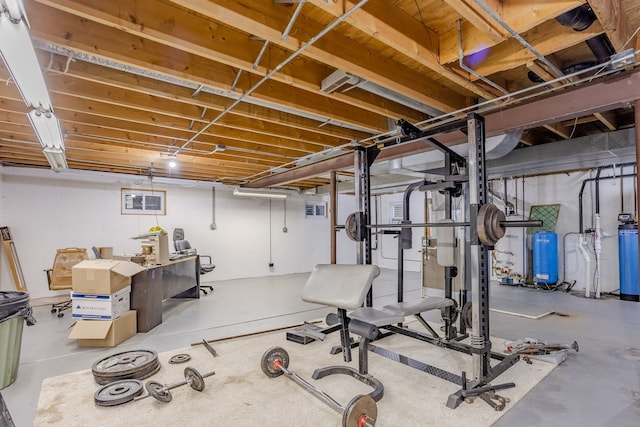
x,y
14,311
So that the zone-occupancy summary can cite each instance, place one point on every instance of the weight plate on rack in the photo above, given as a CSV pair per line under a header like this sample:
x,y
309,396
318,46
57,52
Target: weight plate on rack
x,y
180,358
118,392
135,364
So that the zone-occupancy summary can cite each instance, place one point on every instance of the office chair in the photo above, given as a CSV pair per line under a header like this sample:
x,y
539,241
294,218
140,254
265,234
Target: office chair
x,y
59,276
184,247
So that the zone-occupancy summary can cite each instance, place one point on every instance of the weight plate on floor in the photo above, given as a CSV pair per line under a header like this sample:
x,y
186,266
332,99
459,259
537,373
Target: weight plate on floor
x,y
180,358
158,391
139,375
271,359
118,392
135,364
194,379
362,409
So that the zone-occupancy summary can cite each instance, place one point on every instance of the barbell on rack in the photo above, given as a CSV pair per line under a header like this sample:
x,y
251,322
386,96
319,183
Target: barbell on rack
x,y
491,225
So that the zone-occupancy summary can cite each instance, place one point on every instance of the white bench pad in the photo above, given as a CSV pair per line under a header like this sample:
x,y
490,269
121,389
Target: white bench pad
x,y
418,306
340,285
376,317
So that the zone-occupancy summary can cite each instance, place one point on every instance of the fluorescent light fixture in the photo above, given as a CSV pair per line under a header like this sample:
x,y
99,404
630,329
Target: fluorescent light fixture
x,y
258,193
15,8
20,58
56,158
47,129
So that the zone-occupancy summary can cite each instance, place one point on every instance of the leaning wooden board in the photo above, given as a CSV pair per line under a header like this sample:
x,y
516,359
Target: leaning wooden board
x,y
12,258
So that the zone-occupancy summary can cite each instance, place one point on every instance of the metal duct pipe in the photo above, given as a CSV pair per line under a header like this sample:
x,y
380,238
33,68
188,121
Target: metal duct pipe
x,y
601,47
579,18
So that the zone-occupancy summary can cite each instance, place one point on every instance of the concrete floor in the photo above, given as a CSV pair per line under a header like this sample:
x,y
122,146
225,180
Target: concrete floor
x,y
599,386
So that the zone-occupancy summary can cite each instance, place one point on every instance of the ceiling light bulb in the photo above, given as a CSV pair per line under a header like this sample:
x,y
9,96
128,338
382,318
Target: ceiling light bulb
x,y
172,161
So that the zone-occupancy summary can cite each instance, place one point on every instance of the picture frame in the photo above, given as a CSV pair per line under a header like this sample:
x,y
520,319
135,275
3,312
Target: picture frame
x,y
134,201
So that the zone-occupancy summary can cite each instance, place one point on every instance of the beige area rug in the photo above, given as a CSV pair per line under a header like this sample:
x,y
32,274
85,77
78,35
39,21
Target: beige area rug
x,y
239,394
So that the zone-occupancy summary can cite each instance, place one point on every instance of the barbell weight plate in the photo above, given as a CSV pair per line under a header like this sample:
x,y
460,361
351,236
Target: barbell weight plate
x,y
454,312
118,392
158,391
467,319
489,225
270,359
495,227
141,374
355,226
125,363
360,408
180,358
194,379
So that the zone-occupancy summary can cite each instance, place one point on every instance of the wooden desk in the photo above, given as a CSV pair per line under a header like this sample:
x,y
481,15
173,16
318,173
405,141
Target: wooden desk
x,y
175,279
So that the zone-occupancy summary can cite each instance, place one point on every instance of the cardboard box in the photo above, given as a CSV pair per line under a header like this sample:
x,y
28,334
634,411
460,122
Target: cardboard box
x,y
103,307
104,333
102,276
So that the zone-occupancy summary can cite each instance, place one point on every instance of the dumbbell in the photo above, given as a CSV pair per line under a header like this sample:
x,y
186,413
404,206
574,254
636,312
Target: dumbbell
x,y
161,391
361,411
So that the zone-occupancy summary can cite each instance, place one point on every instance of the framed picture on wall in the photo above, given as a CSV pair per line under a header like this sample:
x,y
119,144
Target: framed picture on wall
x,y
143,202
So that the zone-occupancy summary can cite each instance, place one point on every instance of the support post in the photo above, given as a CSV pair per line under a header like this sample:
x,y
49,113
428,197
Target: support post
x,y
479,253
333,205
637,123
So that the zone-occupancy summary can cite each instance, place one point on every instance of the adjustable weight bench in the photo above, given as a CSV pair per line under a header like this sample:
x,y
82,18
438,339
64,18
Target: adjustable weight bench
x,y
345,287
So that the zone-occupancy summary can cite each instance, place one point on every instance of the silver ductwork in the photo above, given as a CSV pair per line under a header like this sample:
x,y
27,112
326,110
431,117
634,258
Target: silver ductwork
x,y
430,162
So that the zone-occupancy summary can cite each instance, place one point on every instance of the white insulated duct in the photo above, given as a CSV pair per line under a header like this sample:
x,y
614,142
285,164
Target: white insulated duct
x,y
420,164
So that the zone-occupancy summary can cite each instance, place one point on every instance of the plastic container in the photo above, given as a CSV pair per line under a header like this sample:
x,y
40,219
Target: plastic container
x,y
628,261
14,310
545,257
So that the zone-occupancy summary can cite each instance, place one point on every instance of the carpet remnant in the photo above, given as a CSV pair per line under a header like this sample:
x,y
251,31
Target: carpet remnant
x,y
239,394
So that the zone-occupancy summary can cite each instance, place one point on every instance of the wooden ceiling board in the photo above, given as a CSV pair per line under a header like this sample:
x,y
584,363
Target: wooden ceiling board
x,y
143,78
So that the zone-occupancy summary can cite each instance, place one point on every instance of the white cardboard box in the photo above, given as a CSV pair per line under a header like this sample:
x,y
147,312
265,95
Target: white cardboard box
x,y
103,307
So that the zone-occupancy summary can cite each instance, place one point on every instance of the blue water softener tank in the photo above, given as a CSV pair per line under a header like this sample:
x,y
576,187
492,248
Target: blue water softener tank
x,y
628,261
545,257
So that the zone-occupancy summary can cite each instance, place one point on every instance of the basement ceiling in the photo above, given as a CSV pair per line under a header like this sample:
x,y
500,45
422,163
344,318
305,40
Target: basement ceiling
x,y
242,92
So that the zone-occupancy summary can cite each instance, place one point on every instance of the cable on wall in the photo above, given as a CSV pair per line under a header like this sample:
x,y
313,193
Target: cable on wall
x,y
213,208
284,225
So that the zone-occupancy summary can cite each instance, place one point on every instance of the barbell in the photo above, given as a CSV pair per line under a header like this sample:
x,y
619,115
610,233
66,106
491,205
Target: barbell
x,y
491,224
361,411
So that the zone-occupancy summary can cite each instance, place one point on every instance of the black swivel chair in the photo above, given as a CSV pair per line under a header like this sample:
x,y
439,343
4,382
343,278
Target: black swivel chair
x,y
183,246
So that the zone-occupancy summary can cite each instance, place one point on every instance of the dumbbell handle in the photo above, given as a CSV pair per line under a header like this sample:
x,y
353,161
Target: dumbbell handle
x,y
168,387
186,381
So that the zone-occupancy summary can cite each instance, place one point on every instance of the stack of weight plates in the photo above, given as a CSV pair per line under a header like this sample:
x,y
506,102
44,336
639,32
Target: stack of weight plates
x,y
134,364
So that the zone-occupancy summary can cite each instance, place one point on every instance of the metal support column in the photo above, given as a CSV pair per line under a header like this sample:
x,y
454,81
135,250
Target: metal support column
x,y
333,212
363,158
479,253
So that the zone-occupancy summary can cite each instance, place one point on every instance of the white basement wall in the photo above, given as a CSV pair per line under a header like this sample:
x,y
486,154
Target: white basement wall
x,y
564,189
47,211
